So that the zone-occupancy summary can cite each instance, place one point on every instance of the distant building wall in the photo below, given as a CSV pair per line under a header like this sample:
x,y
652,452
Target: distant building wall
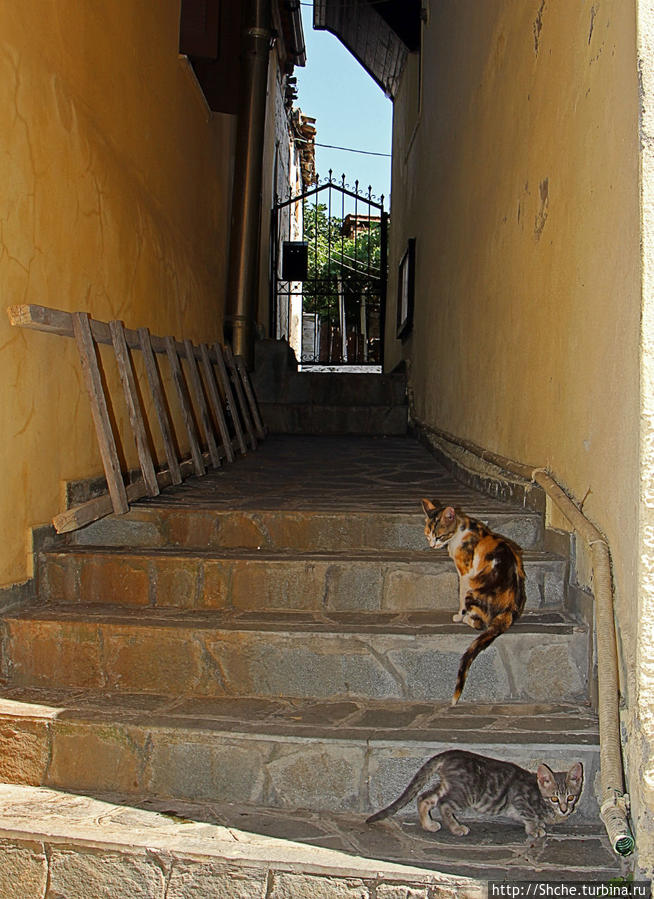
x,y
516,168
282,174
115,199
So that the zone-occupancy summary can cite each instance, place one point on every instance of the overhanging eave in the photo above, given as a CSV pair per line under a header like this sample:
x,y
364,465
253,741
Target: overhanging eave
x,y
379,35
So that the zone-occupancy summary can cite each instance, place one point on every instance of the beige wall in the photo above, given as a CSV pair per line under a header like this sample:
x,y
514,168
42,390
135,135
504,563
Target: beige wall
x,y
519,179
115,199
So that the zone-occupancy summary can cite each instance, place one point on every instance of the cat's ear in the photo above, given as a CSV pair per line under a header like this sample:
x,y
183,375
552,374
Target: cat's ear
x,y
546,779
575,775
449,514
428,506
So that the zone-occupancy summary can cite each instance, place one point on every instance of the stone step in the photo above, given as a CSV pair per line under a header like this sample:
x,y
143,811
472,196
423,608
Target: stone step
x,y
336,756
304,530
313,418
252,579
81,846
333,389
411,655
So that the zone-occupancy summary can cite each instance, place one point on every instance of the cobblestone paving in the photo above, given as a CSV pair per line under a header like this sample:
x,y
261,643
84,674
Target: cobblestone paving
x,y
344,473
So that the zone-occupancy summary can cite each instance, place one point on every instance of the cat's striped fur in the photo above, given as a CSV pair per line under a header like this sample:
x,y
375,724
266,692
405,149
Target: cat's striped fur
x,y
457,780
491,577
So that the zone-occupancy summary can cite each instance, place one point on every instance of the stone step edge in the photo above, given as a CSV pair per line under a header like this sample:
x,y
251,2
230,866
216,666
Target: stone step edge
x,y
214,853
290,624
282,731
531,557
171,503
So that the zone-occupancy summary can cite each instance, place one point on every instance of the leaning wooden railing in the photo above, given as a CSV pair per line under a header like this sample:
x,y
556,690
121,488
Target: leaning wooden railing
x,y
215,403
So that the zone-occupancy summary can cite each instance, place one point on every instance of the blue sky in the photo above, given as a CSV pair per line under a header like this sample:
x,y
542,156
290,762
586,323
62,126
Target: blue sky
x,y
349,108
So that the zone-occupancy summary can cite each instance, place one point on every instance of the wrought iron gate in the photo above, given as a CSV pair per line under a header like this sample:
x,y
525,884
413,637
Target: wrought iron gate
x,y
329,267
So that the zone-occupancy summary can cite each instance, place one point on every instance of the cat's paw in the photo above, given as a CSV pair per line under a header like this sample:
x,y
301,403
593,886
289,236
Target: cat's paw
x,y
535,831
461,830
458,617
431,825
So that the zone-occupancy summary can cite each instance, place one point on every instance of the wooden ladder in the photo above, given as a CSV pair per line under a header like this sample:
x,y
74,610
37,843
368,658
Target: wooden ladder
x,y
215,401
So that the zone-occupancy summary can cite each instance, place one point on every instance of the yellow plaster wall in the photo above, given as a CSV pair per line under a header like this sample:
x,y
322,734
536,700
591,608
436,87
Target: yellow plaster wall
x,y
518,177
115,200
521,187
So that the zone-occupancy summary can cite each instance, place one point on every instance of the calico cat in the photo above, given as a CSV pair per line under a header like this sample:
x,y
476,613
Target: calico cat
x,y
457,780
491,577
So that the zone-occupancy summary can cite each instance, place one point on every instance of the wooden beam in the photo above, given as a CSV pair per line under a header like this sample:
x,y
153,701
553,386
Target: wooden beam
x,y
160,408
226,386
249,393
101,506
56,321
185,406
242,402
195,385
134,409
104,432
215,401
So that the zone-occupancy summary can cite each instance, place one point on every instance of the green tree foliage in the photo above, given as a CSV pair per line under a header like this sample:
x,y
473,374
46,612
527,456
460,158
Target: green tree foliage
x,y
349,266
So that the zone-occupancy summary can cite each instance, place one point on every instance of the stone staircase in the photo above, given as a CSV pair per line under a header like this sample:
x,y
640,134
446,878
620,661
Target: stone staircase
x,y
265,656
314,402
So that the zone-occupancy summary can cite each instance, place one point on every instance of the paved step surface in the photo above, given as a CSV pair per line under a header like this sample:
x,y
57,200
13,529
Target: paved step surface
x,y
260,579
82,846
544,656
347,755
329,474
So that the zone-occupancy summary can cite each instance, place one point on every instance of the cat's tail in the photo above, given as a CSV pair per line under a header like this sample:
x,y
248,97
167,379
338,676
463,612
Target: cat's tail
x,y
410,793
499,625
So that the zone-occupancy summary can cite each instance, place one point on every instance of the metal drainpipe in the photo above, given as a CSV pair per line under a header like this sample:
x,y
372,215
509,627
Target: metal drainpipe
x,y
246,199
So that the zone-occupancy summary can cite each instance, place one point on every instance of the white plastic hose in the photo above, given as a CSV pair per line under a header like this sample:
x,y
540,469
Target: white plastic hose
x,y
614,802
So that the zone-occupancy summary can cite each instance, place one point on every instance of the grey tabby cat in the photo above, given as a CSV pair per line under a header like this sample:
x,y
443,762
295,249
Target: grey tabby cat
x,y
458,780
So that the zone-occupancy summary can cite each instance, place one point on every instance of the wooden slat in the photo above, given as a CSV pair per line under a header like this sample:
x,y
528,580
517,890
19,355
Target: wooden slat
x,y
99,507
242,402
106,440
226,386
215,401
195,385
249,393
159,400
134,409
185,406
42,318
